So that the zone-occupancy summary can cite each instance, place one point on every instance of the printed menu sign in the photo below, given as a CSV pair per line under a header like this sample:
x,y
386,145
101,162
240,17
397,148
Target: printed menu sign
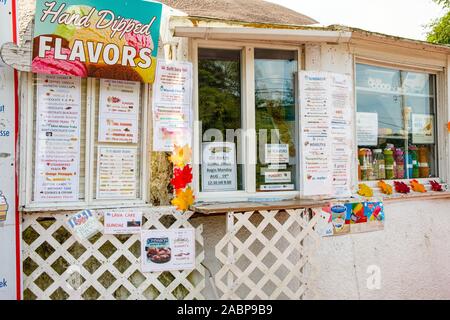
x,y
219,170
122,221
316,134
116,177
341,133
277,153
172,102
367,129
119,111
97,38
168,250
58,116
423,128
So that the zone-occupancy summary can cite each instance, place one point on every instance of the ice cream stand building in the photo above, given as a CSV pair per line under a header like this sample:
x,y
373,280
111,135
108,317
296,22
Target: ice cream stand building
x,y
318,156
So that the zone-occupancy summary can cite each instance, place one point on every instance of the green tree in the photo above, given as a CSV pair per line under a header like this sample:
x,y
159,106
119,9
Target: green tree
x,y
440,28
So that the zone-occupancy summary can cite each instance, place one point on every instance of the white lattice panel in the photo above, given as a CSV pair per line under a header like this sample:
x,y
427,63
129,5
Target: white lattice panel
x,y
56,266
266,254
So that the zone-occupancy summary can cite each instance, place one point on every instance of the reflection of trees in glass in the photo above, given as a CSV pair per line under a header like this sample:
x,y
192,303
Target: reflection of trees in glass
x,y
220,94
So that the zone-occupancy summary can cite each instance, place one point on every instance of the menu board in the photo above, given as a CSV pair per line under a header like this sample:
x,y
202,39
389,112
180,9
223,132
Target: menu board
x,y
58,116
341,89
172,104
219,169
315,133
326,135
119,111
116,177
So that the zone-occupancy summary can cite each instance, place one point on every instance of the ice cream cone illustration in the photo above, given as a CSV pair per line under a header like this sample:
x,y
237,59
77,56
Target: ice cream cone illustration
x,y
3,207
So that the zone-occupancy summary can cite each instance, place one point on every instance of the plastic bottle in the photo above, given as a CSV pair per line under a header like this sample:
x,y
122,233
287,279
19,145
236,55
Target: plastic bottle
x,y
400,164
424,167
379,164
369,165
415,162
389,162
363,168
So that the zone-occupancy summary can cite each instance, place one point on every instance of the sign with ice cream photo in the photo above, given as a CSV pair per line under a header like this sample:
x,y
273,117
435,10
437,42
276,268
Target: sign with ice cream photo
x,y
97,38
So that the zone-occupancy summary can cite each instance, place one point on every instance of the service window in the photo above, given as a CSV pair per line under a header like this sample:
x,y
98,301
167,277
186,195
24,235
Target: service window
x,y
396,124
243,92
86,144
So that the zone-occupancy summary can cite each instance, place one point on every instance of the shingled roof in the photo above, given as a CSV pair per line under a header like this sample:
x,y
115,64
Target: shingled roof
x,y
248,11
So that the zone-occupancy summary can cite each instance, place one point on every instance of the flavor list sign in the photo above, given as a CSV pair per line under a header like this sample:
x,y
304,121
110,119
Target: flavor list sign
x,y
116,176
168,250
172,103
326,116
316,133
97,38
58,116
119,111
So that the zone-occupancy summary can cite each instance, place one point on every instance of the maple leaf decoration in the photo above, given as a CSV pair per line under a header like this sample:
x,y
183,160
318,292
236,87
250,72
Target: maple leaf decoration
x,y
181,177
181,156
184,199
418,187
436,186
385,188
401,187
365,191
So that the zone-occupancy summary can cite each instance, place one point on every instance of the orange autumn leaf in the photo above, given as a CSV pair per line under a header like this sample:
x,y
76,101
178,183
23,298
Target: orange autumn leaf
x,y
184,199
181,156
365,191
385,188
418,187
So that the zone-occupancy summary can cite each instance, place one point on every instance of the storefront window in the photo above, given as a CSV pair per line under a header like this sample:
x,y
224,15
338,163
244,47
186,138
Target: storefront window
x,y
219,85
396,124
276,128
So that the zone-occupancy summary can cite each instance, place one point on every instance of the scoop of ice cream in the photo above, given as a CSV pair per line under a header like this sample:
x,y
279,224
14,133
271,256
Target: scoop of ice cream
x,y
67,31
139,41
50,65
117,72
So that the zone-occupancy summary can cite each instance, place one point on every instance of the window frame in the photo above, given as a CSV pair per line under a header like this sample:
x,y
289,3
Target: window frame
x,y
249,144
28,134
442,113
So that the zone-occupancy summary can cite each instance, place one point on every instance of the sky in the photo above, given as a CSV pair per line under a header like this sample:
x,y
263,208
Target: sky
x,y
404,18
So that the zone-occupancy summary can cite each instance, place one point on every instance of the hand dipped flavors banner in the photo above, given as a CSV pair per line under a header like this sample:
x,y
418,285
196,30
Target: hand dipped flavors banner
x,y
97,38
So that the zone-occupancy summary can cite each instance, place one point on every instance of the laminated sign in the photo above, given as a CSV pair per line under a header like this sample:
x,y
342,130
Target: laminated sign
x,y
84,224
97,38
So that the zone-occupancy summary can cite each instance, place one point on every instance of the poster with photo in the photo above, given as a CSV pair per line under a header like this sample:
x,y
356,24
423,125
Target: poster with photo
x,y
423,129
172,104
119,111
117,173
122,221
168,250
58,123
219,167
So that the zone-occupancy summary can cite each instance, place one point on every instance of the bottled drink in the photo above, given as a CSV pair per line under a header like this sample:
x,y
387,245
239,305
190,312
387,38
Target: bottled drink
x,y
400,164
379,165
415,162
389,164
424,167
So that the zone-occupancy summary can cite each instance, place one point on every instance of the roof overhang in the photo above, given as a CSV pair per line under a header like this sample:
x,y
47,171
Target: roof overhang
x,y
239,34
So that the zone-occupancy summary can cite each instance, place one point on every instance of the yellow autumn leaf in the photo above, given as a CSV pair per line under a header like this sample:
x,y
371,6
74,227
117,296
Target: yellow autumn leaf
x,y
184,199
418,187
365,191
385,188
181,156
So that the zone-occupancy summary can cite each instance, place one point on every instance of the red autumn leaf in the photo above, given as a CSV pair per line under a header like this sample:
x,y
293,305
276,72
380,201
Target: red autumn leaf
x,y
181,177
401,187
436,186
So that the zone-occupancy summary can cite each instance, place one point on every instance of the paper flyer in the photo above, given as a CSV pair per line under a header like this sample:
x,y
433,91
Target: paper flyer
x,y
168,250
58,117
172,104
84,224
423,129
219,167
122,221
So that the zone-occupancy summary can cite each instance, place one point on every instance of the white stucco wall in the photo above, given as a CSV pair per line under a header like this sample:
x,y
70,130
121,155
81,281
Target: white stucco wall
x,y
412,254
